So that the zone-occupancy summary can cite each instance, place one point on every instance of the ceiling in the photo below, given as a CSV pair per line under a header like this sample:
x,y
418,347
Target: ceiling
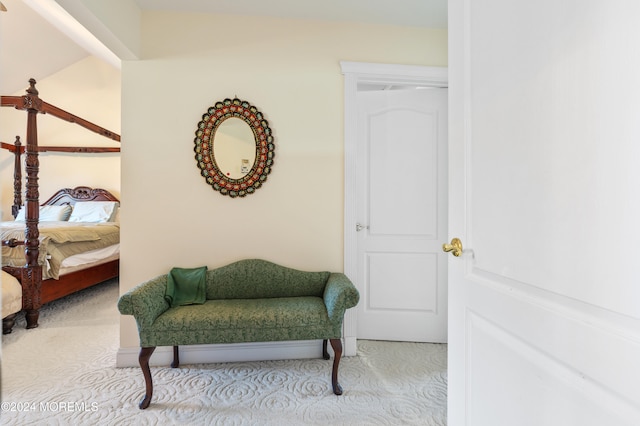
x,y
418,13
32,46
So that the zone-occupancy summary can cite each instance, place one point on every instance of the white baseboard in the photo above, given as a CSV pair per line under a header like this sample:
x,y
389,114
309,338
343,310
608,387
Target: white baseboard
x,y
237,352
350,346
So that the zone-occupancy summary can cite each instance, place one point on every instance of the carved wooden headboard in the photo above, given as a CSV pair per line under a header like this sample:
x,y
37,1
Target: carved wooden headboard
x,y
79,193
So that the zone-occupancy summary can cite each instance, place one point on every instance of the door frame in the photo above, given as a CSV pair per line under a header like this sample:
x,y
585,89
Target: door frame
x,y
374,73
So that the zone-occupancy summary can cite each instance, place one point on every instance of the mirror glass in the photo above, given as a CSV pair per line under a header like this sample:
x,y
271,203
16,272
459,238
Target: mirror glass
x,y
234,148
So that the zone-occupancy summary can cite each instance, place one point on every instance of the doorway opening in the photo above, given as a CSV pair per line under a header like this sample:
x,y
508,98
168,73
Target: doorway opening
x,y
360,78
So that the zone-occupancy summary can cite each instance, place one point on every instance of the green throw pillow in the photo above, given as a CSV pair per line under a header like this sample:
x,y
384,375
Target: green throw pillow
x,y
186,286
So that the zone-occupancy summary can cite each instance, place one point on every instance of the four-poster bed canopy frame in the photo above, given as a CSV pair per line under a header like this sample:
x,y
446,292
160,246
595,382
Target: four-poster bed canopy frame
x,y
30,275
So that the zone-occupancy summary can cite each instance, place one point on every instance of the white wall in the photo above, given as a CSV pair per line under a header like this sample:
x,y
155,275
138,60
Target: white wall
x,y
290,70
90,89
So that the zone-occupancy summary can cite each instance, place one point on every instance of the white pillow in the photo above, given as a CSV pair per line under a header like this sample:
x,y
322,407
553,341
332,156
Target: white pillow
x,y
94,211
48,213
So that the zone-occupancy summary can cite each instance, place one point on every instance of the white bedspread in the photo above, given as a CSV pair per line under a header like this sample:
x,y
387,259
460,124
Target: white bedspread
x,y
59,241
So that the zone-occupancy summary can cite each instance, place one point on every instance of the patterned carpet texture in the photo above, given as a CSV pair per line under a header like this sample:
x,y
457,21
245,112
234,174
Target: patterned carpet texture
x,y
63,373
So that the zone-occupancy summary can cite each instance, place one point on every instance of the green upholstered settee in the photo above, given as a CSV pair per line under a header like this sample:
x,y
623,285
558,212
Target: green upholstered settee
x,y
247,301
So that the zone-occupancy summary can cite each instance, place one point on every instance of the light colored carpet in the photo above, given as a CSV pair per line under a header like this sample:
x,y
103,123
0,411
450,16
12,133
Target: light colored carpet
x,y
63,373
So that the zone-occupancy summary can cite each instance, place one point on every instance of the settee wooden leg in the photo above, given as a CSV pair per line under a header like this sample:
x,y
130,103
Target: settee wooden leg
x,y
325,353
143,358
176,358
336,344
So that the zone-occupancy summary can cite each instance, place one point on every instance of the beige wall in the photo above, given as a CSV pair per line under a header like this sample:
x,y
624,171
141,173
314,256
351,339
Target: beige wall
x,y
90,89
288,69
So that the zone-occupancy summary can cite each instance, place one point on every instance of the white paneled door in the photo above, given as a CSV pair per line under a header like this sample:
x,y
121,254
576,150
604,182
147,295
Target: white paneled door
x,y
544,313
401,181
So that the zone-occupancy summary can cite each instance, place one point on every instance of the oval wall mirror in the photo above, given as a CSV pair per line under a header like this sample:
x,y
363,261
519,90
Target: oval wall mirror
x,y
234,147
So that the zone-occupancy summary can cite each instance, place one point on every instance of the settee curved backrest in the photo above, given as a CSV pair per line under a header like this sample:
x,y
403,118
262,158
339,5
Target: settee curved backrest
x,y
258,279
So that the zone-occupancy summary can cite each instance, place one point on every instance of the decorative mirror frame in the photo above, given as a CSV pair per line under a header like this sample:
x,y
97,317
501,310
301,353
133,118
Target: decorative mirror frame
x,y
205,141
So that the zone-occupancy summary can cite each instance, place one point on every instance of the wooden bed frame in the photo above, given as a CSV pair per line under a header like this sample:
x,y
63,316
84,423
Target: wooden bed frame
x,y
35,291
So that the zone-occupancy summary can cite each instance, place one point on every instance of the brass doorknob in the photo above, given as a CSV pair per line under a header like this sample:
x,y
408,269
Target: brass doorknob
x,y
455,247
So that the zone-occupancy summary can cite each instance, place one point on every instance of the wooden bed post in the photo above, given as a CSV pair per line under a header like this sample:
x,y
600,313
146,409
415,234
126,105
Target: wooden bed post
x,y
17,178
32,272
30,275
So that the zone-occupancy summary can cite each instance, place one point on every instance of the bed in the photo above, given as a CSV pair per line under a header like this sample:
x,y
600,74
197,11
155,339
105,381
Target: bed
x,y
74,254
50,252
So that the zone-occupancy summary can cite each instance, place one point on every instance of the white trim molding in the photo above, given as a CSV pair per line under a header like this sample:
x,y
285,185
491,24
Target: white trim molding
x,y
236,352
365,72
